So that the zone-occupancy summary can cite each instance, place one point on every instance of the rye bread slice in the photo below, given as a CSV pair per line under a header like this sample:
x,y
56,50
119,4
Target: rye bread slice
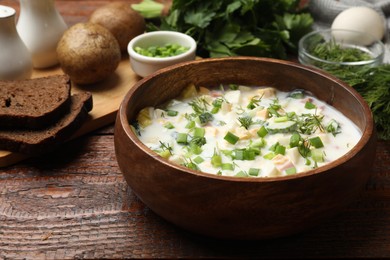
x,y
40,141
34,103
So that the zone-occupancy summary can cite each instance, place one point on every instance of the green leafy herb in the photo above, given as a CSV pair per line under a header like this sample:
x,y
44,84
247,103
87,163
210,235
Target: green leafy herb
x,y
236,27
309,123
333,51
254,102
199,105
373,84
190,164
333,127
273,109
245,121
206,117
165,150
198,140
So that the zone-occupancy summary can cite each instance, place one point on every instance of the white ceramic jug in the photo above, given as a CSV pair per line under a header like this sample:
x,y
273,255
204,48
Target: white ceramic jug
x,y
15,59
41,26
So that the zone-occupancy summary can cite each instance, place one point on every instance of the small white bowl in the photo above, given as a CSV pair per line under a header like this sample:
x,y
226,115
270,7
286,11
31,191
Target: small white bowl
x,y
144,65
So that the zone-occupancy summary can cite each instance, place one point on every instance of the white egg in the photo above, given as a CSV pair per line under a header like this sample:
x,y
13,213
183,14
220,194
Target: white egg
x,y
362,19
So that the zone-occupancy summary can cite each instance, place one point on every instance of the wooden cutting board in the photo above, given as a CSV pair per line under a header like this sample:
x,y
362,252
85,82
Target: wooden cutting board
x,y
107,97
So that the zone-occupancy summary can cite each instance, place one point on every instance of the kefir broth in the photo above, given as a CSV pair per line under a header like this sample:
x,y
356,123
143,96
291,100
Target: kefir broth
x,y
247,131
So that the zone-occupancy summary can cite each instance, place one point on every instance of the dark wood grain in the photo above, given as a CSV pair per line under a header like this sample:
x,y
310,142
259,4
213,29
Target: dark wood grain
x,y
74,203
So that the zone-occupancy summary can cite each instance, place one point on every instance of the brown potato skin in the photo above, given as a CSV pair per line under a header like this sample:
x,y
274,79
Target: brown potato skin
x,y
88,53
121,20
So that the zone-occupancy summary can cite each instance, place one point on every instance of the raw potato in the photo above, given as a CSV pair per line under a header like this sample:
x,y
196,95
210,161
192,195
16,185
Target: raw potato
x,y
121,20
88,53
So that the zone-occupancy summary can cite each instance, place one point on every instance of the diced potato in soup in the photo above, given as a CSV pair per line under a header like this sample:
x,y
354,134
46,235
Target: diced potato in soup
x,y
246,131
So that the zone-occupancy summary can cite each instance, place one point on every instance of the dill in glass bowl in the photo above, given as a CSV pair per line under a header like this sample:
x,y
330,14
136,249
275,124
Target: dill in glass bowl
x,y
335,49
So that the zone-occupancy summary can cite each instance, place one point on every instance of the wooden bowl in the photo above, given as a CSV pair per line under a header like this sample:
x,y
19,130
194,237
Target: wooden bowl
x,y
243,208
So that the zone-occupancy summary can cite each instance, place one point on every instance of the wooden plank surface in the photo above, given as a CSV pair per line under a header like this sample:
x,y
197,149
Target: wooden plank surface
x,y
74,203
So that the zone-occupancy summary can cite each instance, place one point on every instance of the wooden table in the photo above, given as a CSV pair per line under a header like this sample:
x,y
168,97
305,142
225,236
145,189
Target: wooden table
x,y
74,203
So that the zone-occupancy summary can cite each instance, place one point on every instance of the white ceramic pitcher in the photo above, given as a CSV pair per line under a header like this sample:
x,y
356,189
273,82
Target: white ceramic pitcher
x,y
15,59
41,26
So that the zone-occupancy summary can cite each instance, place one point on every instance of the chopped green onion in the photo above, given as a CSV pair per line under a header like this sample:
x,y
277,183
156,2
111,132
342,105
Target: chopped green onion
x,y
182,138
246,154
291,115
227,152
269,156
262,131
231,138
172,113
309,105
199,132
295,139
190,125
215,110
281,119
241,174
227,166
195,149
168,50
254,172
216,160
316,142
333,127
280,149
239,154
291,170
258,143
198,159
165,154
217,102
249,155
317,155
191,165
169,125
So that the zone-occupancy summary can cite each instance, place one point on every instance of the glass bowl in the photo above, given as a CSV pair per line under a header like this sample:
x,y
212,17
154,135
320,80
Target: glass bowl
x,y
333,49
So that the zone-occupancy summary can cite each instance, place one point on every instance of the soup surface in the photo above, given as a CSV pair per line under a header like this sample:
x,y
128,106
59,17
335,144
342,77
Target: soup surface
x,y
246,131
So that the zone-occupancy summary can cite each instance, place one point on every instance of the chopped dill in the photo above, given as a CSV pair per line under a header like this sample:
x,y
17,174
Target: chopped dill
x,y
309,123
245,121
165,147
199,105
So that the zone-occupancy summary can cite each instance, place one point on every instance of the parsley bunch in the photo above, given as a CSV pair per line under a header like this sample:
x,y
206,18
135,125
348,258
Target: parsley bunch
x,y
265,28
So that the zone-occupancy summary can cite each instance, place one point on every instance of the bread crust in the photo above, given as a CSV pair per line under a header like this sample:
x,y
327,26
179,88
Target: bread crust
x,y
35,142
34,103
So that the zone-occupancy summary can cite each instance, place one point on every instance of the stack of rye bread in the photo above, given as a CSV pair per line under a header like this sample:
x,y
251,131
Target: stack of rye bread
x,y
37,115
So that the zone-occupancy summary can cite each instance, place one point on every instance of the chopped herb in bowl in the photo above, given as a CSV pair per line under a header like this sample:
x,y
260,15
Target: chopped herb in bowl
x,y
167,50
335,52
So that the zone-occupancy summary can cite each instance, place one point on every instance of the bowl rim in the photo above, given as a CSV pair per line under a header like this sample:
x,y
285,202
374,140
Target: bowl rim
x,y
367,132
303,51
173,34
